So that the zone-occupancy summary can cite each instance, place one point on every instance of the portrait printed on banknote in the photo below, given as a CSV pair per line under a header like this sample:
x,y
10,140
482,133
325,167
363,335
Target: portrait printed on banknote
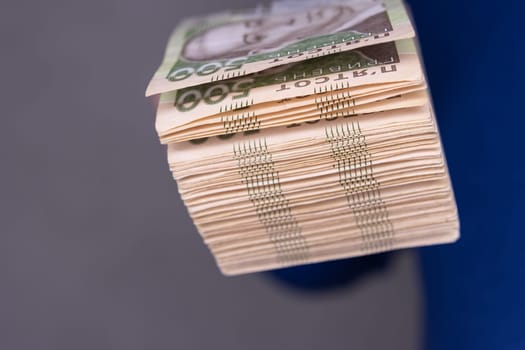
x,y
284,31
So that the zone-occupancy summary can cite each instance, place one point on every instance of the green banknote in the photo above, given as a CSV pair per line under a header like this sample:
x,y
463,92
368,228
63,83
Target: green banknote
x,y
256,94
234,44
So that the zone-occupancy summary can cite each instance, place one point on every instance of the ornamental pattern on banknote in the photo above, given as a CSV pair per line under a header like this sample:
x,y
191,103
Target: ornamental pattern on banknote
x,y
223,44
314,72
258,173
353,162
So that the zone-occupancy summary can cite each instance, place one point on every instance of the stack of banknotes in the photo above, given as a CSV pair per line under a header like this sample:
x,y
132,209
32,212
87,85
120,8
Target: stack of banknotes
x,y
303,131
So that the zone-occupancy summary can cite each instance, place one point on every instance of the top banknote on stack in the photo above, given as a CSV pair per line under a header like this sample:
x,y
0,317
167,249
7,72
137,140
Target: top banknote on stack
x,y
302,131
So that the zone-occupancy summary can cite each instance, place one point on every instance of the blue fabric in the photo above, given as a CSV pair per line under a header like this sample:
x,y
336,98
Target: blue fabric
x,y
474,55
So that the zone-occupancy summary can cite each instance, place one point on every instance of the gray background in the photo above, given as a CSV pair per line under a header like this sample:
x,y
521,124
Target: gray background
x,y
97,250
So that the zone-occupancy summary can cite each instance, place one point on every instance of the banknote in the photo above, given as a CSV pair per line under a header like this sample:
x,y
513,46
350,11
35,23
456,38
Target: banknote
x,y
186,152
226,128
378,179
329,78
233,44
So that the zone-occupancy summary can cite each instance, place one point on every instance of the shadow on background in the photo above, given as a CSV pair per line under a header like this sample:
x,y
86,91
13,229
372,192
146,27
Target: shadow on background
x,y
330,275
